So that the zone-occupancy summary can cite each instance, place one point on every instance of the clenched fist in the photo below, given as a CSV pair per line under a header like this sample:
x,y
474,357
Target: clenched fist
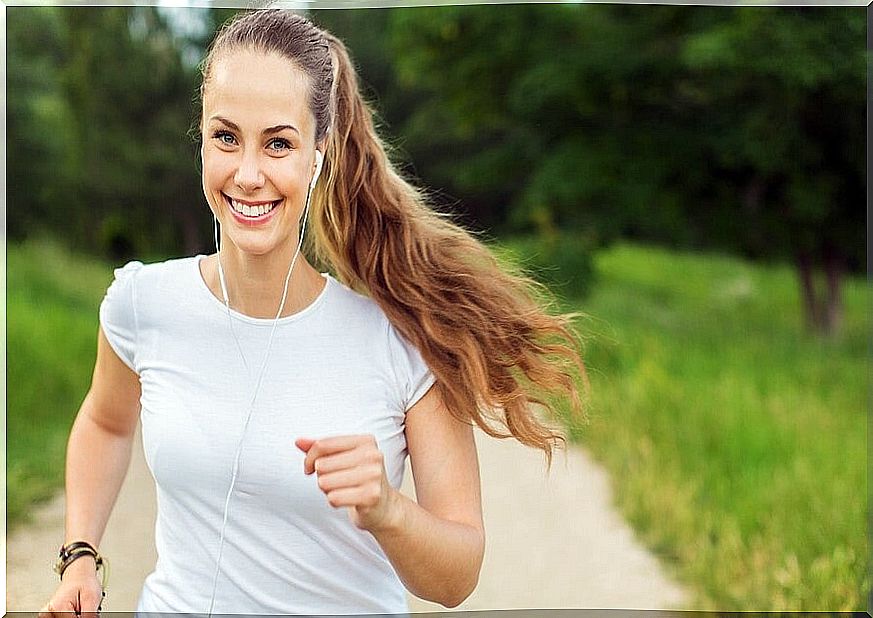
x,y
80,592
351,473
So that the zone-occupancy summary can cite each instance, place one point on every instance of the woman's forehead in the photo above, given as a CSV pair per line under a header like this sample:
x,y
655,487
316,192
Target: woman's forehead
x,y
256,85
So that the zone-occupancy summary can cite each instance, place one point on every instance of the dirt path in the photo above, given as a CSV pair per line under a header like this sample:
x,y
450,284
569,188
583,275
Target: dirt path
x,y
552,541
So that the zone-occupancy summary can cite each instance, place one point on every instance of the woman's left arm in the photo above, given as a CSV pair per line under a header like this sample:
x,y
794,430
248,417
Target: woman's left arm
x,y
436,544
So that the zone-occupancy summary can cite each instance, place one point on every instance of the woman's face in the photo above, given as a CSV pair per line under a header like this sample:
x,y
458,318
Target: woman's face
x,y
258,149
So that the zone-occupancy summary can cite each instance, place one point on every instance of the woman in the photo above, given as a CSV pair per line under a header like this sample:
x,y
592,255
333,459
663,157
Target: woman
x,y
278,403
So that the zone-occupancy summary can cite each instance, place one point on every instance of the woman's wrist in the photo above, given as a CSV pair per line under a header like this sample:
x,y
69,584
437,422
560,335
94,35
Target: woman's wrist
x,y
84,566
80,558
395,514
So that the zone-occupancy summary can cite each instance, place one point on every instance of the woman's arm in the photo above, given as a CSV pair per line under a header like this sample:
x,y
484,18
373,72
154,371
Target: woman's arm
x,y
436,545
98,455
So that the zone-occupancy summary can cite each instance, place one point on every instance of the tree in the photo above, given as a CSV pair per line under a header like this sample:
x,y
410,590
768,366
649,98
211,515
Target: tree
x,y
788,87
39,135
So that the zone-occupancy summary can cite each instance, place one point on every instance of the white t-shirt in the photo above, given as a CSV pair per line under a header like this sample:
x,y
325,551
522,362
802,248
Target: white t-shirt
x,y
337,367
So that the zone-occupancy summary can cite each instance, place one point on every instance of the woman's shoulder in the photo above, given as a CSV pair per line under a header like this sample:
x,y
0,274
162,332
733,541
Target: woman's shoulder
x,y
140,283
358,312
354,303
143,271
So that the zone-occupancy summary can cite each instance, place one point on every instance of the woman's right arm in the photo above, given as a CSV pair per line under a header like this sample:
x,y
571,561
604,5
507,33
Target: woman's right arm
x,y
98,455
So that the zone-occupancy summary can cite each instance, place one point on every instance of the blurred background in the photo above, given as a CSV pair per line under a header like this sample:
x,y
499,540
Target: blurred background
x,y
692,179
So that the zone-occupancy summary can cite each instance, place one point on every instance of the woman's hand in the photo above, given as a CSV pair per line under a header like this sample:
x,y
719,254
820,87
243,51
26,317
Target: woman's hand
x,y
351,473
79,593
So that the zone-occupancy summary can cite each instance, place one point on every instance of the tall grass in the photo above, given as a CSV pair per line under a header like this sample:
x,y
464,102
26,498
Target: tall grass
x,y
52,301
736,442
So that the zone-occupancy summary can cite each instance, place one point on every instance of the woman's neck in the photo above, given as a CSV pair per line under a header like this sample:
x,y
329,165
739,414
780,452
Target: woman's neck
x,y
255,282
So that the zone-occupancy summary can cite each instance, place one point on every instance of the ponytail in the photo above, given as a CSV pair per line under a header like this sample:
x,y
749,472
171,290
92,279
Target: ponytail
x,y
483,328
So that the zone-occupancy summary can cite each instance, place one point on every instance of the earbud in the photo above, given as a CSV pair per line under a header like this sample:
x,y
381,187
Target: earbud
x,y
319,160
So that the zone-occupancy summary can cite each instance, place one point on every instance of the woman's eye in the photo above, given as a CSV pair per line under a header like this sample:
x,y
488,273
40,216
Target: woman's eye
x,y
279,144
224,137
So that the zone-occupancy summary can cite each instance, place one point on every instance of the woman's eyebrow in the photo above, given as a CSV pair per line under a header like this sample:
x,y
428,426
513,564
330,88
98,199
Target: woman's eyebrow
x,y
267,131
280,127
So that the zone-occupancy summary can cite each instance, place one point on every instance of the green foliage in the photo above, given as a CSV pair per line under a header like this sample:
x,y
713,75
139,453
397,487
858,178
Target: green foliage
x,y
102,105
736,128
736,443
571,140
788,93
52,301
39,128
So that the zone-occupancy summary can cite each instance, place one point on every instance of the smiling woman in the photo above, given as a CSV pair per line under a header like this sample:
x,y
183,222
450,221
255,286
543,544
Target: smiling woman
x,y
277,418
258,159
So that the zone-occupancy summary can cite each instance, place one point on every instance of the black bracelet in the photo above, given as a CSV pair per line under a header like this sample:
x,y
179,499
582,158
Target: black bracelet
x,y
75,545
72,558
68,554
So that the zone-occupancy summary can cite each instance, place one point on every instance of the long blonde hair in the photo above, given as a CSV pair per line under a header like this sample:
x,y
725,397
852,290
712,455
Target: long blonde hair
x,y
484,328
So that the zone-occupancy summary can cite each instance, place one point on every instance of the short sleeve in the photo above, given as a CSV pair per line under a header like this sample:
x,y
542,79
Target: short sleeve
x,y
413,375
118,313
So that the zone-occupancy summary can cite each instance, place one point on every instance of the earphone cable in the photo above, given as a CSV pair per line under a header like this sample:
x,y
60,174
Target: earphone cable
x,y
221,280
257,383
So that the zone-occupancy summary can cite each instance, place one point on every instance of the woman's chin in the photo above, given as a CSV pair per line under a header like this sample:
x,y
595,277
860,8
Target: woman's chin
x,y
253,249
260,243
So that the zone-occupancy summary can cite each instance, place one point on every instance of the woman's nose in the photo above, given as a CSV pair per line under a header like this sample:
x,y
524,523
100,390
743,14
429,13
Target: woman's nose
x,y
248,175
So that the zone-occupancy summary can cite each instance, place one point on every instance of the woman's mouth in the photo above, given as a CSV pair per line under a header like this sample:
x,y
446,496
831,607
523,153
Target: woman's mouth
x,y
251,212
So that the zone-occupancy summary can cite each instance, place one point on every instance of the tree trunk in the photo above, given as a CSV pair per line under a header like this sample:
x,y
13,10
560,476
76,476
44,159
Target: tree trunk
x,y
833,315
751,204
823,313
811,313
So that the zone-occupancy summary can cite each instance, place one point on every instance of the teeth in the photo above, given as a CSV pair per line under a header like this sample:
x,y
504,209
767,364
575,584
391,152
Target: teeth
x,y
252,211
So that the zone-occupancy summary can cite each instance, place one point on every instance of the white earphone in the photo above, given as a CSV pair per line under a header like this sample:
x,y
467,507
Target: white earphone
x,y
319,160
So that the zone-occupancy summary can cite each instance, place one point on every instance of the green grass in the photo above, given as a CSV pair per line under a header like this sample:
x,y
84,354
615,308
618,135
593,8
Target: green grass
x,y
736,442
52,300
